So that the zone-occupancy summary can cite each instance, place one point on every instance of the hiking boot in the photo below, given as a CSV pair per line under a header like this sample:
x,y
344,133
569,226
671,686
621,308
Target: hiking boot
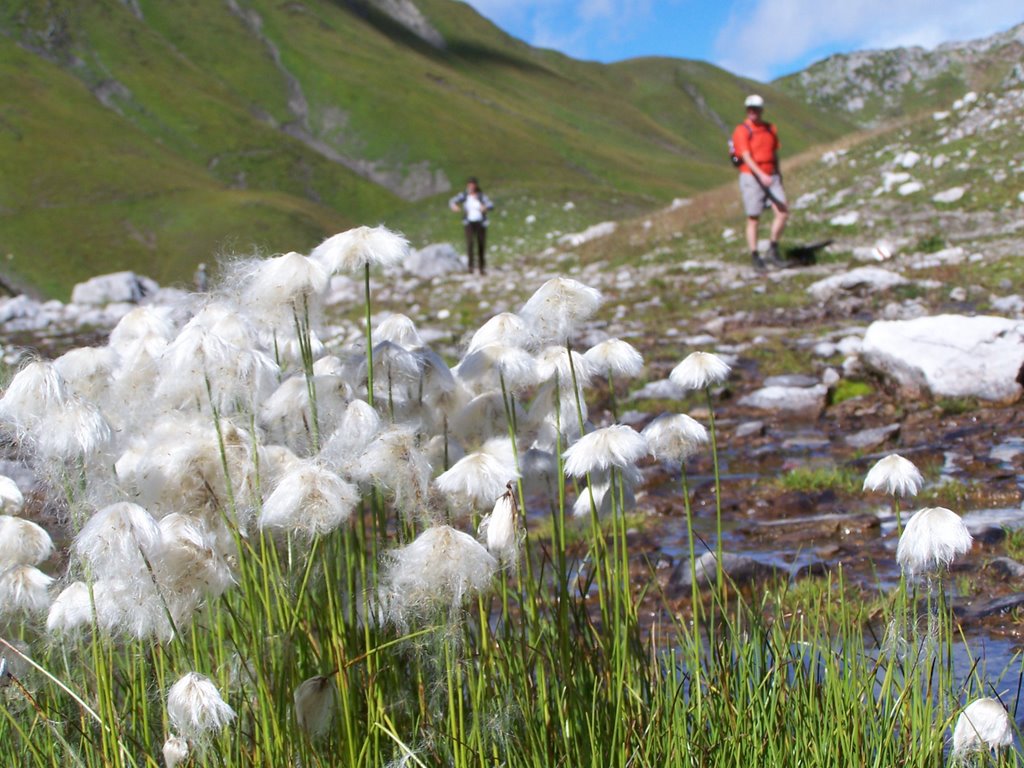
x,y
758,262
774,259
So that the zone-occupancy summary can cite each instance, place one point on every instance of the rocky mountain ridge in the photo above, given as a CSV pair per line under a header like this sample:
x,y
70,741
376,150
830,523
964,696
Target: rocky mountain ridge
x,y
875,85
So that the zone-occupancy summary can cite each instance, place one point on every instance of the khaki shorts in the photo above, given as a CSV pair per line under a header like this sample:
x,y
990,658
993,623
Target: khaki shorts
x,y
756,198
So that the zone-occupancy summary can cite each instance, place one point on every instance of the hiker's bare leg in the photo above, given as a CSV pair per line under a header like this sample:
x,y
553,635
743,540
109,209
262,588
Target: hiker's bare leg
x,y
752,233
778,223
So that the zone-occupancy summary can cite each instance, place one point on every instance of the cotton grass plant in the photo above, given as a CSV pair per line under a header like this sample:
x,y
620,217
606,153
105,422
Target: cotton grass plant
x,y
286,553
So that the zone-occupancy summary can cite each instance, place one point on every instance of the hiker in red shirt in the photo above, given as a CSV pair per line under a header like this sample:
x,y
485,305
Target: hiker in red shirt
x,y
756,151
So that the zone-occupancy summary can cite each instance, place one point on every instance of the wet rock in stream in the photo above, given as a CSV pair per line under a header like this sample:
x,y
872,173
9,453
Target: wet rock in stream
x,y
738,570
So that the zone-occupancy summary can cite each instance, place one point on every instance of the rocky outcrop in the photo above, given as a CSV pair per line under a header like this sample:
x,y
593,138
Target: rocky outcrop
x,y
949,356
871,85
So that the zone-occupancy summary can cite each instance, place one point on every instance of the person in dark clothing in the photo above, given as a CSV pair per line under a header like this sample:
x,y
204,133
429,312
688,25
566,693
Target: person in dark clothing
x,y
473,204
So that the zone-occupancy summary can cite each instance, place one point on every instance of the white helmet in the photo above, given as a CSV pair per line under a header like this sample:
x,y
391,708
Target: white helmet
x,y
753,100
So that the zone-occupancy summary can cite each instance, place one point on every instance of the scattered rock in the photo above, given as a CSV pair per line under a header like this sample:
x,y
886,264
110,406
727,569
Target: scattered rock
x,y
750,429
434,260
815,442
859,281
813,569
738,569
950,195
791,380
989,607
1009,305
867,439
949,355
116,287
663,389
577,239
847,219
1006,568
796,401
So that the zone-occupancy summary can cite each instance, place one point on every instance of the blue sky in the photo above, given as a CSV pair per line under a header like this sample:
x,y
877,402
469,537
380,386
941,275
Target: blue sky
x,y
761,39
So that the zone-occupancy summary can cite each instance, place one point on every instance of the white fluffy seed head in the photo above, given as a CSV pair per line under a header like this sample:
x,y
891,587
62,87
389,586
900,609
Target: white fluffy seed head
x,y
615,357
75,428
507,329
352,250
315,702
309,499
11,498
115,539
22,542
287,282
195,707
932,539
493,363
557,309
616,446
675,437
87,371
499,530
70,610
130,604
605,498
894,475
146,325
194,559
699,370
983,724
553,364
217,354
437,571
394,460
481,476
24,589
358,425
400,330
175,751
35,391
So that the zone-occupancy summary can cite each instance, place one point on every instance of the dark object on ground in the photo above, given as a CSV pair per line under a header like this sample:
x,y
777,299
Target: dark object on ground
x,y
805,255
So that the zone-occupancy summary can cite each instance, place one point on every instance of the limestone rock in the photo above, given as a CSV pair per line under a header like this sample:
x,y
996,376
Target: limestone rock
x,y
434,261
114,288
738,569
796,401
949,355
860,281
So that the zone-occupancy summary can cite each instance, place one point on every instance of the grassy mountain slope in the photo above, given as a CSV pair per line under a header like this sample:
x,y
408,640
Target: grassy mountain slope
x,y
153,135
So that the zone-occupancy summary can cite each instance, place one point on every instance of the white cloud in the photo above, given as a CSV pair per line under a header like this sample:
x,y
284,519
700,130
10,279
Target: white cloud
x,y
764,36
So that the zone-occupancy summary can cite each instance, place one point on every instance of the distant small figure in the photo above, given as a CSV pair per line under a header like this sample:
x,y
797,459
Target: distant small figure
x,y
474,205
755,150
202,281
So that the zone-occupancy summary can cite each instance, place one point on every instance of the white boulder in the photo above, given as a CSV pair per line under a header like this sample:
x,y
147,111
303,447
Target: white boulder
x,y
950,195
847,219
861,280
949,355
795,401
113,288
434,261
